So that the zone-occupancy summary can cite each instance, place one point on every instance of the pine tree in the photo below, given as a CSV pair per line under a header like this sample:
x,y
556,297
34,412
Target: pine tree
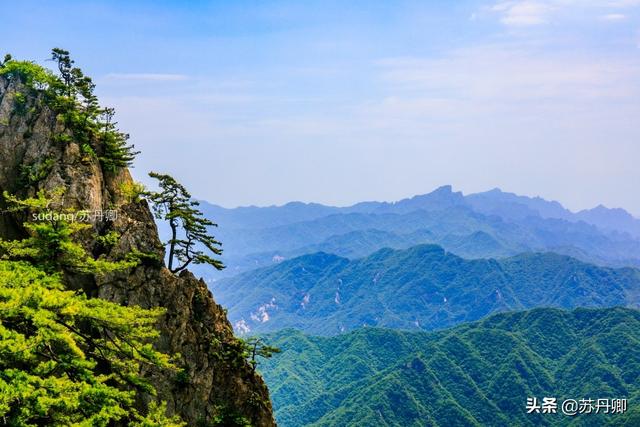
x,y
66,359
50,244
65,67
189,231
71,95
255,347
7,58
69,360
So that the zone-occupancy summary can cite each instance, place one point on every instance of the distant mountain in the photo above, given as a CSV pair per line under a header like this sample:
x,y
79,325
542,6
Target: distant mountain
x,y
512,206
483,225
611,219
360,243
419,288
477,374
252,217
442,198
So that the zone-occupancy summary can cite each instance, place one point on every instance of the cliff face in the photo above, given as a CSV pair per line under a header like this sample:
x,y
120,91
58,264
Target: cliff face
x,y
216,383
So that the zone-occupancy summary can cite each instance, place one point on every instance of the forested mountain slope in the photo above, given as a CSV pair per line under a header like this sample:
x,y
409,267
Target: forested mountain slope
x,y
477,374
423,287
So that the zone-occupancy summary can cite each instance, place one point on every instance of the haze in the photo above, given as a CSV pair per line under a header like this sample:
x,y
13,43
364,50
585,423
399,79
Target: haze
x,y
267,102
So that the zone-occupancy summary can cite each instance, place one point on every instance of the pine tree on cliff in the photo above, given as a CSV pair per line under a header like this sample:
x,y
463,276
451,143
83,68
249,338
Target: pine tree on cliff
x,y
91,124
68,356
188,226
67,359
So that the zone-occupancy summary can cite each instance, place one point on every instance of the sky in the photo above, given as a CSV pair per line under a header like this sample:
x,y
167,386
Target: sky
x,y
265,102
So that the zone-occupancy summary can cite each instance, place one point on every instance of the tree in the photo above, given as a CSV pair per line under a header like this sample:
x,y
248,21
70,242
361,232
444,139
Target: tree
x,y
116,152
7,58
256,347
93,123
70,360
71,96
189,231
65,66
50,243
66,359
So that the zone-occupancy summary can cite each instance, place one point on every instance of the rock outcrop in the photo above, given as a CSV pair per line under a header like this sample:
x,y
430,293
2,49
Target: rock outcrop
x,y
216,385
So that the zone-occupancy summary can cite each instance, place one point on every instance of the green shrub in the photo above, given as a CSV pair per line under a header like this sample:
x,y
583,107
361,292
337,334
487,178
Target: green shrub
x,y
132,191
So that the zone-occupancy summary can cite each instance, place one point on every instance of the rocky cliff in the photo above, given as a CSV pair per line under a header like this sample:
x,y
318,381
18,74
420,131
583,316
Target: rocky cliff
x,y
216,385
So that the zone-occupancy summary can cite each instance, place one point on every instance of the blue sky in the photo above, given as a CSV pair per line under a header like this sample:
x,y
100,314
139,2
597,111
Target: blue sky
x,y
263,102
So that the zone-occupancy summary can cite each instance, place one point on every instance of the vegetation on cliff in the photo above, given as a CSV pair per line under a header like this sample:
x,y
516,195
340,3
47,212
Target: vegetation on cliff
x,y
66,358
89,311
70,95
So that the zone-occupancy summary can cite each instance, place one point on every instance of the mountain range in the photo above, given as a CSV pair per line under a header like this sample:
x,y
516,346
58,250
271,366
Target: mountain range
x,y
440,310
421,288
477,374
490,224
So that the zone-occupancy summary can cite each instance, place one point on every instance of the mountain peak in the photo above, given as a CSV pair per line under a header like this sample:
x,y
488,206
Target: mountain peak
x,y
615,219
443,189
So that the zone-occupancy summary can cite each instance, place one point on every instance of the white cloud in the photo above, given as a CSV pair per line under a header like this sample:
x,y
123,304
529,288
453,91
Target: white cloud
x,y
523,13
623,3
156,77
614,17
500,72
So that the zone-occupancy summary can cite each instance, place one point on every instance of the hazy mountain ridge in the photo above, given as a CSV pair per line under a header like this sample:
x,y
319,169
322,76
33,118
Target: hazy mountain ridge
x,y
422,287
608,219
475,374
442,197
507,225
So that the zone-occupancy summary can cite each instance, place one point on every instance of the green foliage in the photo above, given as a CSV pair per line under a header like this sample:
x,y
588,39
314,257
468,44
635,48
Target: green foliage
x,y
7,58
182,378
173,204
225,418
116,151
109,240
31,75
132,191
71,96
36,172
87,151
477,374
254,347
232,352
20,103
65,65
66,359
144,258
62,138
50,243
156,418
